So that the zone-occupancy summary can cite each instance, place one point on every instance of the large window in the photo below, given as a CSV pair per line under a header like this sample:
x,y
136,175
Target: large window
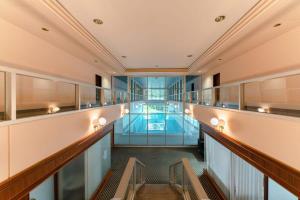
x,y
156,114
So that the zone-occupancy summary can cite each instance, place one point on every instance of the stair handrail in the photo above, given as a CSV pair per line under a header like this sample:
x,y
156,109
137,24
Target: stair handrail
x,y
190,174
124,191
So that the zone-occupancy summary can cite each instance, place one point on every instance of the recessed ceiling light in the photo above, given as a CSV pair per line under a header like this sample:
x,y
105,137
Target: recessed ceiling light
x,y
95,61
124,56
220,18
113,72
97,21
189,56
45,29
220,59
276,25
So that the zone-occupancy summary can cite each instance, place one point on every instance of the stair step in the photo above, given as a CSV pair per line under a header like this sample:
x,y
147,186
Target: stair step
x,y
158,192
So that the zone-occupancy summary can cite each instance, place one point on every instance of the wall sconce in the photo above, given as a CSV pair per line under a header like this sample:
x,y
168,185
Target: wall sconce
x,y
187,111
219,123
263,110
126,111
53,109
97,123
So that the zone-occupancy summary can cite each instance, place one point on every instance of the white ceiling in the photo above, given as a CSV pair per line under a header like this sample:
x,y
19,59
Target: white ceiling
x,y
157,32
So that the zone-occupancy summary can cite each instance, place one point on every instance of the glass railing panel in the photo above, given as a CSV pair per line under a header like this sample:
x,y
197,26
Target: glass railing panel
x,y
277,192
119,97
191,130
227,97
107,97
207,97
2,97
44,191
79,178
89,97
278,96
36,96
192,97
71,179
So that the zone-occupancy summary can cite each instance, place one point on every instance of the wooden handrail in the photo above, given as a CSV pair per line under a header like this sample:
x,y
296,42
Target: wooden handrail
x,y
22,183
285,175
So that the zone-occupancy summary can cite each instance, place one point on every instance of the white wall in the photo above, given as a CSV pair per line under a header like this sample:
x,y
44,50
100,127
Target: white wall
x,y
22,49
276,55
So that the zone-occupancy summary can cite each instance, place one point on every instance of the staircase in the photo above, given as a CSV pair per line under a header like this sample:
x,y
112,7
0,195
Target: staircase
x,y
158,192
181,176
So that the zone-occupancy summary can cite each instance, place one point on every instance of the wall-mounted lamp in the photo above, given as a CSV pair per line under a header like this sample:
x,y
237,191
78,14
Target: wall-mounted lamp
x,y
187,111
53,109
262,110
219,123
125,111
98,123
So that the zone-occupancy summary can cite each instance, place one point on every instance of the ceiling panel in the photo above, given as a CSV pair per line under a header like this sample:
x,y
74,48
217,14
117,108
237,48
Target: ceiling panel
x,y
157,33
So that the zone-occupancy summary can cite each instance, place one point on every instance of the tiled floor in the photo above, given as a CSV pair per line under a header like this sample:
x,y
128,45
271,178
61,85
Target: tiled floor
x,y
157,161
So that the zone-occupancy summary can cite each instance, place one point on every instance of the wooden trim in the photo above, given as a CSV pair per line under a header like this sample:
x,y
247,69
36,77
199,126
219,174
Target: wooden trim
x,y
22,183
266,187
102,185
285,175
25,197
217,189
135,70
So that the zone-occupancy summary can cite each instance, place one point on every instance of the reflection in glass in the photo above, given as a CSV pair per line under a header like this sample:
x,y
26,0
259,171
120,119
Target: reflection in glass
x,y
229,97
36,96
121,130
72,180
191,131
278,96
89,97
156,82
277,192
2,96
138,129
174,129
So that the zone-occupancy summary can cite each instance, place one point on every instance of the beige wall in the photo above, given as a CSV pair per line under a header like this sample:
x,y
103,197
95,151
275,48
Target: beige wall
x,y
276,136
276,55
25,143
24,50
4,149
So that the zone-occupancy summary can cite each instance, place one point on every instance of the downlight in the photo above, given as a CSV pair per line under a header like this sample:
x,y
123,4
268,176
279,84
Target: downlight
x,y
189,56
276,25
97,21
45,29
220,18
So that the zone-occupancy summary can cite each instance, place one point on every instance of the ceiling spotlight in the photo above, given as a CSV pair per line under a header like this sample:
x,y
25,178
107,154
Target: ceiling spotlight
x,y
45,29
220,18
124,56
189,56
97,21
276,25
